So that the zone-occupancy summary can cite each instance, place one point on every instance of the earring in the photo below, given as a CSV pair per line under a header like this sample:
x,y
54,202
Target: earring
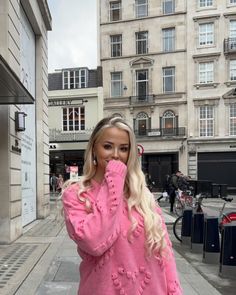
x,y
94,161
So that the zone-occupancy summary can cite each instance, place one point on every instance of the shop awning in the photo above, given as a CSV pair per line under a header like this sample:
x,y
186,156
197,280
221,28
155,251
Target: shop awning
x,y
12,91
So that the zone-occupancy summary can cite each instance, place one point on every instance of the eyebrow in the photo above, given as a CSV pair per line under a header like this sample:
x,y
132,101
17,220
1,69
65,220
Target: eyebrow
x,y
113,143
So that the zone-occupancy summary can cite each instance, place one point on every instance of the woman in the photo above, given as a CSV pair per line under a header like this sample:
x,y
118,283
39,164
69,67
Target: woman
x,y
112,217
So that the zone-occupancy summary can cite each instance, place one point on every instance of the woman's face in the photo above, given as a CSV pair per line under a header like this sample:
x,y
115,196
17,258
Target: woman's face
x,y
113,144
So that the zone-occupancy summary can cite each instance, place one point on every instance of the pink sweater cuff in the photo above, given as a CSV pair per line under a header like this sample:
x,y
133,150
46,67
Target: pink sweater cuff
x,y
117,167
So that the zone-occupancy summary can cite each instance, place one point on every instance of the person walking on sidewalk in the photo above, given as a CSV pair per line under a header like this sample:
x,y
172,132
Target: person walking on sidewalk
x,y
112,217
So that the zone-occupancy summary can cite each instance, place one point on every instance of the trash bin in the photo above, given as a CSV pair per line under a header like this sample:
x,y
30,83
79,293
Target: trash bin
x,y
204,187
228,251
186,227
215,190
223,190
211,240
197,232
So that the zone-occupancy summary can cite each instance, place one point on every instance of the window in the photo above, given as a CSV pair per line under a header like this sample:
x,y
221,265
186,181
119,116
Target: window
x,y
116,45
206,121
141,42
142,123
206,72
142,84
232,119
75,79
205,3
168,123
73,119
168,6
116,84
232,1
168,79
168,37
115,10
232,70
141,8
206,34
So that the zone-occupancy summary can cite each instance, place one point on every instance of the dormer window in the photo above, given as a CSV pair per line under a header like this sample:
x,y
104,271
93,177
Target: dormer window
x,y
74,79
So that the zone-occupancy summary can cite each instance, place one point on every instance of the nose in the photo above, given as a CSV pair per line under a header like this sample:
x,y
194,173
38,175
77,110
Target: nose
x,y
115,155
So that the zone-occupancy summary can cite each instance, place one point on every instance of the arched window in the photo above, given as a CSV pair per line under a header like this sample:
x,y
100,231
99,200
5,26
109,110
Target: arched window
x,y
142,123
168,123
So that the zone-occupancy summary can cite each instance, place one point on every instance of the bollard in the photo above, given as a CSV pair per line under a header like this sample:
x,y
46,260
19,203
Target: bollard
x,y
197,232
211,241
228,251
186,227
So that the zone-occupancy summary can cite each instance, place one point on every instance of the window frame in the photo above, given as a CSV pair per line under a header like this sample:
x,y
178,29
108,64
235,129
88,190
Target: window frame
x,y
66,121
141,43
206,2
138,8
113,10
115,82
208,36
168,39
165,6
232,70
232,119
207,119
138,83
77,78
116,45
165,77
205,74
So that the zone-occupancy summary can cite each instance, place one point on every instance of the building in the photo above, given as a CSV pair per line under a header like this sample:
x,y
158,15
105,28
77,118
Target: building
x,y
75,107
24,155
172,75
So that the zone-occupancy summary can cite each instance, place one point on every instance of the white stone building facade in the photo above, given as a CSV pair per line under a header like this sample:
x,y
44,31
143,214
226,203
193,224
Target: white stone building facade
x,y
24,153
169,69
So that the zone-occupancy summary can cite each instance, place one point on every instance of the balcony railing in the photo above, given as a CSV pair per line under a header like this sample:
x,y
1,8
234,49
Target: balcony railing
x,y
56,135
230,45
142,99
161,132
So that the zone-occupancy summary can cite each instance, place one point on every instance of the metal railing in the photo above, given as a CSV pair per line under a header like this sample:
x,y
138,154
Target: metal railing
x,y
142,99
161,132
230,45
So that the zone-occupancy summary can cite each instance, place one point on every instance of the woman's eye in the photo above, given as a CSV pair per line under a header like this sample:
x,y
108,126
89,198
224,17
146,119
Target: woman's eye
x,y
124,149
107,146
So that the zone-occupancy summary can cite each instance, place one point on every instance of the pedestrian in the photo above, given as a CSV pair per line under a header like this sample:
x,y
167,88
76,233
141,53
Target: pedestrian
x,y
53,182
173,188
60,182
112,217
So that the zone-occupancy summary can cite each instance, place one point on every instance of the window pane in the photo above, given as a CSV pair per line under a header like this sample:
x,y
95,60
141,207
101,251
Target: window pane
x,y
206,118
116,84
115,11
142,84
168,36
72,118
141,8
168,79
116,45
168,6
141,42
232,119
205,3
206,34
206,72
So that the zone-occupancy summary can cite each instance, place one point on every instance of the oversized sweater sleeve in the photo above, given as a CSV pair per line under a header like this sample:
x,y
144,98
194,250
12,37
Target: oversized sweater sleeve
x,y
169,265
96,231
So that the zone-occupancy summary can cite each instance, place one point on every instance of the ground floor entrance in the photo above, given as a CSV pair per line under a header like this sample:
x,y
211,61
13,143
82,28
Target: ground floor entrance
x,y
157,166
218,167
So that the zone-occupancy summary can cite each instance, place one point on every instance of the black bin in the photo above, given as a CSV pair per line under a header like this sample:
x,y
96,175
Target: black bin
x,y
223,190
197,232
186,227
228,251
215,190
211,240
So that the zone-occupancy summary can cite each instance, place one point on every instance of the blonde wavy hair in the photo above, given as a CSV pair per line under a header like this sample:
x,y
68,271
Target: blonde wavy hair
x,y
136,192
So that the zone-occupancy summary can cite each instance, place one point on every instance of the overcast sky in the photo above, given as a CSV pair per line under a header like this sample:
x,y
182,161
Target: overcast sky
x,y
73,39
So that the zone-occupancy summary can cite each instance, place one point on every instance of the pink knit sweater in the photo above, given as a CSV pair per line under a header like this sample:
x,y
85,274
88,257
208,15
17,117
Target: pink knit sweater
x,y
111,263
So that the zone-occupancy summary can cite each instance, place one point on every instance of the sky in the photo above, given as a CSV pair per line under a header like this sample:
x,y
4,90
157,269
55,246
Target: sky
x,y
73,39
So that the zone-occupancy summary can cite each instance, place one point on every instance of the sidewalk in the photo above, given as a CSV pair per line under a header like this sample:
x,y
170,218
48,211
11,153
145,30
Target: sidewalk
x,y
44,261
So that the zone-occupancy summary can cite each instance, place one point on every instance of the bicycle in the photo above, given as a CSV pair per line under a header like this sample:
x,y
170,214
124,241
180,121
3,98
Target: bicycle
x,y
224,217
183,199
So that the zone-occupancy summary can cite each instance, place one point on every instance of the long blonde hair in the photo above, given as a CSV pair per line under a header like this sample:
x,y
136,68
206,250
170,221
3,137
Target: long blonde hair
x,y
136,193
